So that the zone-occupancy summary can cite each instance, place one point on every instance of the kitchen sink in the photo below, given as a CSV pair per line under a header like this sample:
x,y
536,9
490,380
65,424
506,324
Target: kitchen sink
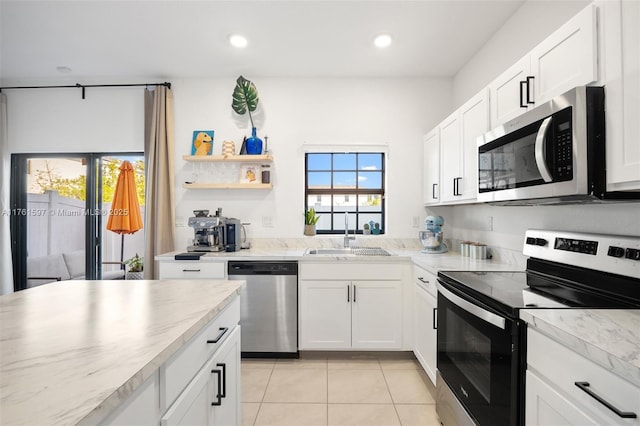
x,y
351,251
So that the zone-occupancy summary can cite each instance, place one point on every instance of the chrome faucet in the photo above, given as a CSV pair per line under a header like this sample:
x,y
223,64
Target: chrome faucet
x,y
347,237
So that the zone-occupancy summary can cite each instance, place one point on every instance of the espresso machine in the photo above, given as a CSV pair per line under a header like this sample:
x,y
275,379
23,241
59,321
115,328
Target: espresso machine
x,y
214,233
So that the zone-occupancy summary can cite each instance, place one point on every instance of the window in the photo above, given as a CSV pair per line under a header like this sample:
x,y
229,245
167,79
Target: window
x,y
339,183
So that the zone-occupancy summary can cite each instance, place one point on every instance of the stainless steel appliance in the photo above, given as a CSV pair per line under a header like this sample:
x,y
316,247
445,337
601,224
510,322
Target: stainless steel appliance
x,y
268,307
554,153
233,234
481,340
432,238
209,231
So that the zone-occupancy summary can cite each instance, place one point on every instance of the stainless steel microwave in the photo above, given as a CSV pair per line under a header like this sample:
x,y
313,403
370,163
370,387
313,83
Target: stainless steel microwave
x,y
553,153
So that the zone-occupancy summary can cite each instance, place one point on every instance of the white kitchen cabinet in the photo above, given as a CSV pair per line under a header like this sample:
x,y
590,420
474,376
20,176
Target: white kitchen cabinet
x,y
553,388
566,59
620,61
227,361
350,314
431,172
191,269
459,149
424,321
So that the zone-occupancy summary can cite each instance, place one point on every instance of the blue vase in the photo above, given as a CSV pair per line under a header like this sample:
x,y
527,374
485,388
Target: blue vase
x,y
254,144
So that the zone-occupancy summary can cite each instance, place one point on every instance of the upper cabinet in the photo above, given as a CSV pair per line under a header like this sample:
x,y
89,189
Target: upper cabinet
x,y
566,59
620,62
458,168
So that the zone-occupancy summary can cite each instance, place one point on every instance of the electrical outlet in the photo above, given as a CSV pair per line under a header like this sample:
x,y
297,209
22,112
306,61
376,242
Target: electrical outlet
x,y
415,221
490,223
267,222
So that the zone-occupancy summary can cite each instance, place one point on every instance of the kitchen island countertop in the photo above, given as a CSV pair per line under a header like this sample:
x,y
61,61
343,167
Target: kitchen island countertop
x,y
608,337
72,351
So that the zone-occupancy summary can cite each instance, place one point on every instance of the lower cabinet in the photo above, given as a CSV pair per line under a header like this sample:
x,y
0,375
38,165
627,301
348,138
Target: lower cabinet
x,y
565,388
424,321
213,396
350,314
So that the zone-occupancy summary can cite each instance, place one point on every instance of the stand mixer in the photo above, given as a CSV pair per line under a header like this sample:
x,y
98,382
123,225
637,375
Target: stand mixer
x,y
432,238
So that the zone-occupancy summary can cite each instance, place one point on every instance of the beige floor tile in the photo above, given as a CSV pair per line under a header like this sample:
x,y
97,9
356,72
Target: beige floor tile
x,y
249,413
258,363
353,364
254,383
358,386
292,414
315,363
418,415
408,386
363,415
400,364
297,385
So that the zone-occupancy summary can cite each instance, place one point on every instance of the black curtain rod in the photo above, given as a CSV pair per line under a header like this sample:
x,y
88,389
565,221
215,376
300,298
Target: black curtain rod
x,y
84,86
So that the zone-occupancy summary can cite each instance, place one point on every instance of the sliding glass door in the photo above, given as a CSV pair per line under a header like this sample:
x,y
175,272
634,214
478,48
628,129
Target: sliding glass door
x,y
60,205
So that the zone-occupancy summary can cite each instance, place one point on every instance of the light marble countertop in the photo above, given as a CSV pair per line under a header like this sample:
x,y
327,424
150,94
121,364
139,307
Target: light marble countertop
x,y
608,337
74,350
430,262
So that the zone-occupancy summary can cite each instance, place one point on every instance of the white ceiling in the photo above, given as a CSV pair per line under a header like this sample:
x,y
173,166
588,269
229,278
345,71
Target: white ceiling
x,y
171,39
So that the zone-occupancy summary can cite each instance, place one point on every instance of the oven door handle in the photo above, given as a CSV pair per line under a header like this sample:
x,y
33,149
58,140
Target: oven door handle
x,y
540,150
475,310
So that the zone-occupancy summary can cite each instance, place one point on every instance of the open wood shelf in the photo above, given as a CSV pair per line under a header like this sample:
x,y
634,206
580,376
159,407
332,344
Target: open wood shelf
x,y
227,185
229,158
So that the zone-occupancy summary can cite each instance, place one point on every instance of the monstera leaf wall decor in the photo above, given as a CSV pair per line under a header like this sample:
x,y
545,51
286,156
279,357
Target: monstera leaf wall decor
x,y
245,98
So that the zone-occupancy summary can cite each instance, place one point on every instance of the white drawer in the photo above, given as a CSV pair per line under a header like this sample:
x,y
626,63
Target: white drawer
x,y
182,366
562,368
350,271
425,280
192,270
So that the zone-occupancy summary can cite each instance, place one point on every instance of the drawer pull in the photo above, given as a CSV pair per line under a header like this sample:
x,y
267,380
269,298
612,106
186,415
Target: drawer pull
x,y
421,279
584,386
219,395
435,318
191,270
219,336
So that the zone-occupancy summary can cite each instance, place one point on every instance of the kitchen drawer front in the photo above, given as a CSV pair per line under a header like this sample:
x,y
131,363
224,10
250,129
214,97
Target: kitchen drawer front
x,y
426,280
192,270
563,367
350,271
182,366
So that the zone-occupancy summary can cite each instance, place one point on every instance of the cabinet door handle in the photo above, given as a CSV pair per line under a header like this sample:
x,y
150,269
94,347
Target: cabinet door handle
x,y
421,279
435,318
456,186
219,395
354,293
348,293
529,85
584,386
219,336
523,83
191,270
224,379
433,191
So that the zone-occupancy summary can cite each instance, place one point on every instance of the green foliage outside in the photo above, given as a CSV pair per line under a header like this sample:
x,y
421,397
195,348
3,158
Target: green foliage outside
x,y
48,179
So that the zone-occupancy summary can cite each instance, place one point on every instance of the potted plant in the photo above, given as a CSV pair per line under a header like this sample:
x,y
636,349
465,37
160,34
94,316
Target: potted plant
x,y
367,229
310,220
136,266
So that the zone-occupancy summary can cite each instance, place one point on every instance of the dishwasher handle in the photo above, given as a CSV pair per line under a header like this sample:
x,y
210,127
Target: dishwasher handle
x,y
262,268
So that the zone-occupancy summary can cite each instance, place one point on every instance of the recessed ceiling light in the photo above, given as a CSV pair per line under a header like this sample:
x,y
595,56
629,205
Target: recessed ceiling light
x,y
382,40
238,40
62,69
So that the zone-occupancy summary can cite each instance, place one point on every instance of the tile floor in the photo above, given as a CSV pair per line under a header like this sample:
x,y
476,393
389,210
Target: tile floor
x,y
334,389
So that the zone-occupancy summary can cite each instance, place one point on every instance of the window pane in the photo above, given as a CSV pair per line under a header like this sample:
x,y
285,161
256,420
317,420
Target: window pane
x,y
323,205
342,180
319,161
370,161
370,203
345,202
370,180
319,180
367,218
339,221
324,223
344,161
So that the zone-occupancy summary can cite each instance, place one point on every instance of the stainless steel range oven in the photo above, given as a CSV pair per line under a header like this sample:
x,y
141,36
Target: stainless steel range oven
x,y
481,340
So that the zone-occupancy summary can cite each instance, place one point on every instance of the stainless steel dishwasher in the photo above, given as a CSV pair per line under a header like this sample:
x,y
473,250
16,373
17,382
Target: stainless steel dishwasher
x,y
268,307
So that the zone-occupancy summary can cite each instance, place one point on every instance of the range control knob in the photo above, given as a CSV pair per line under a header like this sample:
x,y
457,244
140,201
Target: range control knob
x,y
632,254
541,242
615,251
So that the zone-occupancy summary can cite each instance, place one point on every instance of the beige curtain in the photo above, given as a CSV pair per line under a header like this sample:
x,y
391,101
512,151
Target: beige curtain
x,y
6,271
160,197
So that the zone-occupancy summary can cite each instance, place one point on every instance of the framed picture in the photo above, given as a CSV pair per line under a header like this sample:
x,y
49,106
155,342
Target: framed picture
x,y
250,173
202,143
